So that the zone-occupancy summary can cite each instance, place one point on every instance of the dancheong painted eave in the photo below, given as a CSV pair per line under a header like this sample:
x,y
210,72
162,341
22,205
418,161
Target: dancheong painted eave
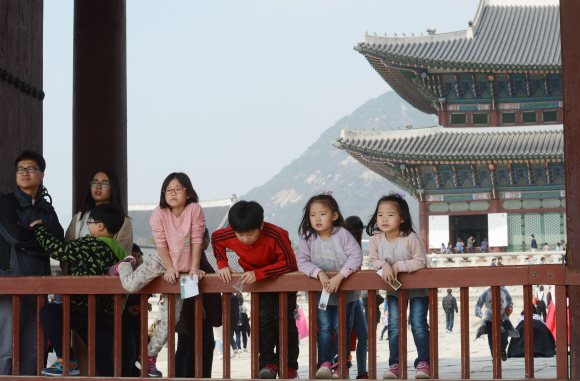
x,y
452,144
504,34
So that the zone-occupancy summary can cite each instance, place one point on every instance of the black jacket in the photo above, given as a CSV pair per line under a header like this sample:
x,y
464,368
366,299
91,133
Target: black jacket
x,y
449,303
20,253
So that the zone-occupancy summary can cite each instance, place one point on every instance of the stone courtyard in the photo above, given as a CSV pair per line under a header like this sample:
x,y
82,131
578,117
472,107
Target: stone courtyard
x,y
449,352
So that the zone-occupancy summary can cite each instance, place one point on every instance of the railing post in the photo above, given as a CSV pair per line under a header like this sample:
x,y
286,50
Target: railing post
x,y
255,339
561,333
283,334
170,310
144,333
433,333
16,335
118,351
65,334
227,334
496,324
198,335
465,360
312,334
528,332
342,336
91,336
372,323
402,300
39,335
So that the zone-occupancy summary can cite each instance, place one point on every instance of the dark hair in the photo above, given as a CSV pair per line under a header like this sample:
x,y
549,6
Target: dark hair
x,y
185,181
110,215
115,192
493,259
541,288
355,226
403,208
136,249
206,233
449,291
533,236
31,155
485,239
245,216
305,230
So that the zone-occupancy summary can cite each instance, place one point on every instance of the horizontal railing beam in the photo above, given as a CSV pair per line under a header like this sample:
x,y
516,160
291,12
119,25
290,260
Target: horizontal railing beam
x,y
361,280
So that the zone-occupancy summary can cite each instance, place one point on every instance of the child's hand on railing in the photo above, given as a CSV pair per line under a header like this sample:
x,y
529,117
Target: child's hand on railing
x,y
332,284
323,279
171,275
390,272
200,274
248,277
225,274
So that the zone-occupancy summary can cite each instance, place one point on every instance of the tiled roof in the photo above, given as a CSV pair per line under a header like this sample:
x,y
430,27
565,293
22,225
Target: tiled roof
x,y
518,32
452,143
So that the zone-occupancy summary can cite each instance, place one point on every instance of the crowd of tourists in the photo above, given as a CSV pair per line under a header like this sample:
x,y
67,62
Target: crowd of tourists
x,y
99,241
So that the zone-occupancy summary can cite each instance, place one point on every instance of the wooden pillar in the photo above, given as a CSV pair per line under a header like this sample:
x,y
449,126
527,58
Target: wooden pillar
x,y
570,29
424,223
99,94
494,205
20,84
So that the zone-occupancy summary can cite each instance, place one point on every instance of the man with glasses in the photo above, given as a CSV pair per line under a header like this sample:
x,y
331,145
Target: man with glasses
x,y
21,255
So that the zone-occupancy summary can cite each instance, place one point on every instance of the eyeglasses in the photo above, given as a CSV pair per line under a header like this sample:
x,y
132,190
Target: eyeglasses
x,y
93,222
103,184
20,170
176,190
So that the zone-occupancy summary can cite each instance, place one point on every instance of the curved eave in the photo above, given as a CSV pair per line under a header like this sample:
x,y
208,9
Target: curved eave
x,y
402,86
425,63
442,159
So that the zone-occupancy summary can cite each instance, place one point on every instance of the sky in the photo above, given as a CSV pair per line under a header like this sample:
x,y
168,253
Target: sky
x,y
228,92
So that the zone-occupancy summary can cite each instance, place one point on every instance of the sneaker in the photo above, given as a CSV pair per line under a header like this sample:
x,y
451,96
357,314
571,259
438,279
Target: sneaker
x,y
392,372
503,356
336,372
292,374
245,349
324,371
220,357
115,269
423,370
152,368
55,369
364,376
268,372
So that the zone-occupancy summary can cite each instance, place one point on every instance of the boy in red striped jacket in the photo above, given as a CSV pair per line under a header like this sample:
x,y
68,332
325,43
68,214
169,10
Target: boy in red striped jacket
x,y
265,252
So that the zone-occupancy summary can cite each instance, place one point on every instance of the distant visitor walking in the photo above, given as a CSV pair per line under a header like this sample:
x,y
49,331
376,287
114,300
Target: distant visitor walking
x,y
449,304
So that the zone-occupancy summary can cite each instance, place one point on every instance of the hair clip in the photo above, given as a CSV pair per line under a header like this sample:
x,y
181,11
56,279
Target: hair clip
x,y
328,192
401,195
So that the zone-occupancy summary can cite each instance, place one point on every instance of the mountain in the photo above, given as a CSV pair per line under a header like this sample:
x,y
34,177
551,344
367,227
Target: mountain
x,y
324,167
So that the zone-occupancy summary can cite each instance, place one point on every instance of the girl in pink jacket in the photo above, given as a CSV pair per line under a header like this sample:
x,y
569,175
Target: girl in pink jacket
x,y
178,224
395,247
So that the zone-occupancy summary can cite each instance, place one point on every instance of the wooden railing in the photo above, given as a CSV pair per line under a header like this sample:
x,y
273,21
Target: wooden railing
x,y
465,277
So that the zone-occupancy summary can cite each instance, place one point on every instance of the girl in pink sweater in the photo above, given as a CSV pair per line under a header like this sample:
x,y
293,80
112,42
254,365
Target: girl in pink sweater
x,y
395,247
178,225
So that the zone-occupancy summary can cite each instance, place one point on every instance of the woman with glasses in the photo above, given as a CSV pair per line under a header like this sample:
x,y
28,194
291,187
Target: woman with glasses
x,y
103,189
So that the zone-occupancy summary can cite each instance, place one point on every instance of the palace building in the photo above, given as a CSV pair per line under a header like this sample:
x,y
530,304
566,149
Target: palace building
x,y
494,166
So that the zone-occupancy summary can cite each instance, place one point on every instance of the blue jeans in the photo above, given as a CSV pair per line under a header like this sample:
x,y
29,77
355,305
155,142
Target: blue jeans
x,y
362,333
449,316
327,321
419,328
